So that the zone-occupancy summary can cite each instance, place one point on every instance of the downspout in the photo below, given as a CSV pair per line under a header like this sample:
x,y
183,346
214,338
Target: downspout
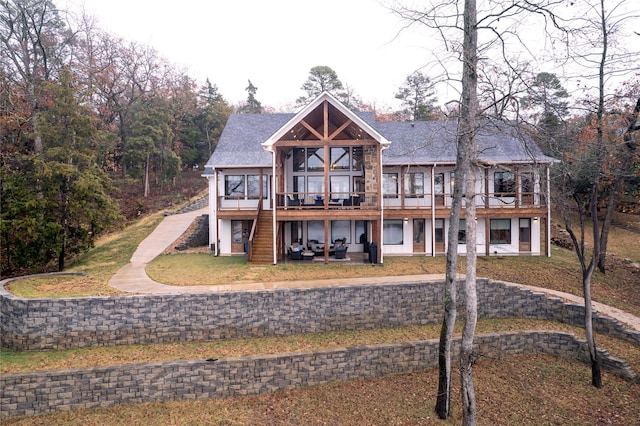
x,y
274,203
213,214
381,245
433,210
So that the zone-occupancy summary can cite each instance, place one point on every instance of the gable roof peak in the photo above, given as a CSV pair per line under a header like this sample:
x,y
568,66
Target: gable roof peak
x,y
317,102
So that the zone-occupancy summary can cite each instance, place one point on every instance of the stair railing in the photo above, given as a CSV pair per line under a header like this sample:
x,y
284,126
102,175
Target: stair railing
x,y
254,230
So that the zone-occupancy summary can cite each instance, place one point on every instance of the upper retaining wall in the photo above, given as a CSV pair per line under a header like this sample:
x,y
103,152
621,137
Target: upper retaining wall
x,y
35,324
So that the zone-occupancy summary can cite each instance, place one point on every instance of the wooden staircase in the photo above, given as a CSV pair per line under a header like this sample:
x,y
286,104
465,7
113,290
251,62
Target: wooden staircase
x,y
263,240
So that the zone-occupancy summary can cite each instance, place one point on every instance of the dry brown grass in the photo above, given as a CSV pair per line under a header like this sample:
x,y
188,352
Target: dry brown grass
x,y
540,390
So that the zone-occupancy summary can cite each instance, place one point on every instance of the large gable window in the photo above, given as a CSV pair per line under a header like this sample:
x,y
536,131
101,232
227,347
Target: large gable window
x,y
340,158
299,159
315,159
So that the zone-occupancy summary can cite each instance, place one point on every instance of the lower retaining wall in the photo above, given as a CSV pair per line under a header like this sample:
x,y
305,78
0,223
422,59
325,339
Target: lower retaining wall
x,y
52,391
37,324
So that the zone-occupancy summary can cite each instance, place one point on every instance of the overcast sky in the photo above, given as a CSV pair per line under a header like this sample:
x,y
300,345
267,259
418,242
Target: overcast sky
x,y
274,43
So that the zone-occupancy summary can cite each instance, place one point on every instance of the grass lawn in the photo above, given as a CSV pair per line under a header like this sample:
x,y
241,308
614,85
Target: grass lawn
x,y
517,390
512,391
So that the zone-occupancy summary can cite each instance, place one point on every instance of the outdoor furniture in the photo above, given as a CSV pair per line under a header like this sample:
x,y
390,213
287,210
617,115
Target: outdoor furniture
x,y
318,249
341,251
307,255
294,252
293,202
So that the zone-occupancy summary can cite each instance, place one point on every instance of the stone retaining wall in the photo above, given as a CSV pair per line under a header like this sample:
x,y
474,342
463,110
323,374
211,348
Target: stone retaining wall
x,y
51,391
36,324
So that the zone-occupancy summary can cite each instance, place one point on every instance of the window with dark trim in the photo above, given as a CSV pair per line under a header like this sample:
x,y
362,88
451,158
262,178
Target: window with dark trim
x,y
462,232
299,159
390,185
414,184
500,231
253,187
315,159
504,184
240,187
234,187
340,158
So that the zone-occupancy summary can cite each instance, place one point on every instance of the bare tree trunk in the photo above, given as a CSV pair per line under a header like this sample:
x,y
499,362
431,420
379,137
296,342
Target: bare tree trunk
x,y
465,153
443,399
467,144
146,177
596,373
471,317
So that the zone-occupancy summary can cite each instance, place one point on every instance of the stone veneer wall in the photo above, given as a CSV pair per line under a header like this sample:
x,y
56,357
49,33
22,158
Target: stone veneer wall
x,y
51,391
37,324
371,178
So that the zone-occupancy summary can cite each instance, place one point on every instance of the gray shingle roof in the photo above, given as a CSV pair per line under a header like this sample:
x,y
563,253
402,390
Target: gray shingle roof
x,y
428,142
420,142
241,139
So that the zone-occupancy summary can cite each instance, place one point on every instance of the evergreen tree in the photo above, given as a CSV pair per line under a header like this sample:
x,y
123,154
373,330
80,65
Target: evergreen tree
x,y
253,106
546,99
418,97
150,141
213,114
55,203
321,79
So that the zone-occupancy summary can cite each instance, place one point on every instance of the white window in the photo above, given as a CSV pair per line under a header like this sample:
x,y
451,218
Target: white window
x,y
500,231
393,232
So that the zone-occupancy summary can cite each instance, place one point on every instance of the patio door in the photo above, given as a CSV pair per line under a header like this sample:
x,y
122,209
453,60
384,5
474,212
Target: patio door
x,y
527,188
439,236
418,236
239,234
525,234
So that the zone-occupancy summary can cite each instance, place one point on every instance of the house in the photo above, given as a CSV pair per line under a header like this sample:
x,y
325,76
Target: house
x,y
327,175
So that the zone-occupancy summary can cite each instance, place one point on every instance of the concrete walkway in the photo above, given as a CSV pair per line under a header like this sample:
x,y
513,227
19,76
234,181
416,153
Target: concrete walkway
x,y
132,277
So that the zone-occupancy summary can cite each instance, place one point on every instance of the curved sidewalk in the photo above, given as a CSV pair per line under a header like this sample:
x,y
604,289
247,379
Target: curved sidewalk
x,y
132,277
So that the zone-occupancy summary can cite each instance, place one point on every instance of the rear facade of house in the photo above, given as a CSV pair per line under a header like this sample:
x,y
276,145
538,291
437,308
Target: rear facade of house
x,y
328,177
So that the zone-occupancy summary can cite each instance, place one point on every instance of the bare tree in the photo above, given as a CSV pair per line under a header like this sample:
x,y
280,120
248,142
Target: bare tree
x,y
467,149
592,48
30,35
501,21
